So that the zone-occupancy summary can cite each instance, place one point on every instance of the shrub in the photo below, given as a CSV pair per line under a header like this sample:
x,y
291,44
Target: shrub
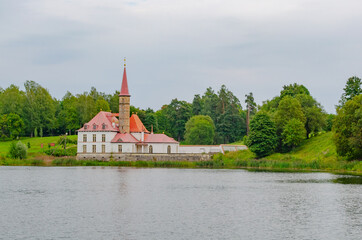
x,y
61,152
18,150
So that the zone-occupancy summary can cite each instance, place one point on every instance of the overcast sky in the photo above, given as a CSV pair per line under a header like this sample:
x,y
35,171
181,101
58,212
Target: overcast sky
x,y
178,48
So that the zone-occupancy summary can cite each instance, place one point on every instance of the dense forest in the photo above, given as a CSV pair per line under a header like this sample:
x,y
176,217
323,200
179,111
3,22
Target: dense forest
x,y
215,117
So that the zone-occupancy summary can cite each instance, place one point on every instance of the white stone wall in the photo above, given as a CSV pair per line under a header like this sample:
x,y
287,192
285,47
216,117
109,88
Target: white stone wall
x,y
89,143
211,148
200,149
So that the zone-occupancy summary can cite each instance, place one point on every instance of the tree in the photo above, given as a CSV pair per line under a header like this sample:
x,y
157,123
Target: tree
x,y
196,105
150,121
12,100
69,115
18,150
347,129
102,105
86,108
3,126
288,108
15,125
11,125
352,89
200,130
178,113
113,101
314,113
293,89
210,102
329,123
230,126
39,109
293,134
250,109
262,139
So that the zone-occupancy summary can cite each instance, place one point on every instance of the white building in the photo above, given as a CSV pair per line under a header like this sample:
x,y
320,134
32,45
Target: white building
x,y
107,135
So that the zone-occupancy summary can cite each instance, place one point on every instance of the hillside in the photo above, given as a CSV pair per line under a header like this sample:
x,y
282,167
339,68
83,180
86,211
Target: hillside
x,y
317,153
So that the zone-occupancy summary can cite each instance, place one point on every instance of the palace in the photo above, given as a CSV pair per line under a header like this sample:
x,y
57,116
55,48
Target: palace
x,y
106,135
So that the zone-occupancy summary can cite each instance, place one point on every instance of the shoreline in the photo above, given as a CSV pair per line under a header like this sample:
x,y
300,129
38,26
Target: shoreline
x,y
211,164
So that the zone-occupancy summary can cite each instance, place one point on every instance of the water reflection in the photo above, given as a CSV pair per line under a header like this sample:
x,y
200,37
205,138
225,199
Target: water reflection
x,y
348,180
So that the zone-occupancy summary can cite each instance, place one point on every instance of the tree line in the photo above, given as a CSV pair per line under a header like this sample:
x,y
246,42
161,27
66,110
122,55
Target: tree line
x,y
34,112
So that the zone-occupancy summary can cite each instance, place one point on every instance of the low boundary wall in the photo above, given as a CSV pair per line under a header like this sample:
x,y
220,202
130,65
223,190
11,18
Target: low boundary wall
x,y
189,157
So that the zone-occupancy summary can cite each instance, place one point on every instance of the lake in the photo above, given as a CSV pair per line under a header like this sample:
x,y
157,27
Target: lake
x,y
154,203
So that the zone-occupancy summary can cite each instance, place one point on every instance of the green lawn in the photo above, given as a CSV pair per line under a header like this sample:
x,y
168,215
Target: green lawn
x,y
35,144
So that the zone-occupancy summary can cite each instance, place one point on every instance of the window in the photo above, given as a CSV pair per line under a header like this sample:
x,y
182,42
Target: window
x,y
94,138
84,137
85,126
94,148
103,126
94,126
119,148
169,149
103,148
103,137
84,148
150,149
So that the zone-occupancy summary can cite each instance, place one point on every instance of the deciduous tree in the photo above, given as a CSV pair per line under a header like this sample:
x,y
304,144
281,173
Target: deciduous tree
x,y
200,129
348,129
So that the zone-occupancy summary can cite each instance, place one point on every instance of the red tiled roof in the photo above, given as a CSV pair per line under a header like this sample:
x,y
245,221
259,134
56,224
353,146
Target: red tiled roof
x,y
124,89
158,138
136,125
103,121
124,137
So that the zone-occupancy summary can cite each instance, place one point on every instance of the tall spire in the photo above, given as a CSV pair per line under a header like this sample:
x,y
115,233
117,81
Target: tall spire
x,y
124,89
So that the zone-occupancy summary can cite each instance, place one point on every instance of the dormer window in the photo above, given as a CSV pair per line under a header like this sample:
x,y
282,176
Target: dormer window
x,y
103,126
94,126
85,126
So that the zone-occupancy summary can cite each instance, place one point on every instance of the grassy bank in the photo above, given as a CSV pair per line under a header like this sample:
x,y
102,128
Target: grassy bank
x,y
315,154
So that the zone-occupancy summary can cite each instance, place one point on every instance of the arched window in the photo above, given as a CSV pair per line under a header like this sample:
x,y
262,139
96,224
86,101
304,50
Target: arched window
x,y
150,149
103,126
169,149
94,126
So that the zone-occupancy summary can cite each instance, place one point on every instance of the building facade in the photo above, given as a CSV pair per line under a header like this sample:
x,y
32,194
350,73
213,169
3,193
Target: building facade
x,y
111,134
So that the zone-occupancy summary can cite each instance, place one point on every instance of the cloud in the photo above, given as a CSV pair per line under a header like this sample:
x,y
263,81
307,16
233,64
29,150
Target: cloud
x,y
179,48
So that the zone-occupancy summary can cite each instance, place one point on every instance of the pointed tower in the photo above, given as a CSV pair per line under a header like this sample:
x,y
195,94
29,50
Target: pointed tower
x,y
124,104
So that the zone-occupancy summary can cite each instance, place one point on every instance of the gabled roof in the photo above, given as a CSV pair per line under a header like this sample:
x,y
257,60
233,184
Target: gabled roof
x,y
136,125
103,121
158,138
124,89
124,138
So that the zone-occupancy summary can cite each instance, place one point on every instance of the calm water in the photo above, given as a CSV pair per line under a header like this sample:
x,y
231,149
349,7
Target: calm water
x,y
130,203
